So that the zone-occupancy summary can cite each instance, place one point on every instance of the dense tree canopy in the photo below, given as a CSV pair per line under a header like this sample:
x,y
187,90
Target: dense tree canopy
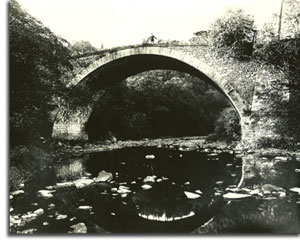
x,y
234,32
157,103
37,60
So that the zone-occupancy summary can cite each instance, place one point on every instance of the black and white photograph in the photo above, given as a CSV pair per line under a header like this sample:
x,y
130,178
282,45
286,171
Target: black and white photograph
x,y
161,117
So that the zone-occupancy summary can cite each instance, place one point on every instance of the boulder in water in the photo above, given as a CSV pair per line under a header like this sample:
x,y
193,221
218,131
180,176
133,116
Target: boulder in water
x,y
45,194
17,193
232,195
146,187
295,189
149,179
61,216
82,182
149,156
85,208
269,188
78,228
104,176
191,195
39,211
64,184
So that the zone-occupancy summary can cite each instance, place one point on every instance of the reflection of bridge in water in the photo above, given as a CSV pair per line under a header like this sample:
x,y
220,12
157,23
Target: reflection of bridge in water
x,y
245,84
71,169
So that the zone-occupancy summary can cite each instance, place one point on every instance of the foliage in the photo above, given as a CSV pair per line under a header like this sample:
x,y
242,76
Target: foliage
x,y
37,60
154,104
291,18
233,33
285,54
25,162
81,47
227,126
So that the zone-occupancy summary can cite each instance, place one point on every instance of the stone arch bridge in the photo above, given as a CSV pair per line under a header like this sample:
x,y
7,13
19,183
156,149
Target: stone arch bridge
x,y
243,83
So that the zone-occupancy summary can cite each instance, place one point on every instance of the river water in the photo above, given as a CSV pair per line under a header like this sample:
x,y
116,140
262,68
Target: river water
x,y
153,190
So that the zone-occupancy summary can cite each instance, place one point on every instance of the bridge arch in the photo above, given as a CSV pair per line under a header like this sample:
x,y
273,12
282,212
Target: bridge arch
x,y
120,64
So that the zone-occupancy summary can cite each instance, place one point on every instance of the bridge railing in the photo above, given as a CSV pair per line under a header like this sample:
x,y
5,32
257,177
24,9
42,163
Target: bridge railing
x,y
115,49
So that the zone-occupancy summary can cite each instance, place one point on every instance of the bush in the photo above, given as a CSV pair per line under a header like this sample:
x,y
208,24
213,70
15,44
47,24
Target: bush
x,y
234,34
284,54
227,126
25,162
37,60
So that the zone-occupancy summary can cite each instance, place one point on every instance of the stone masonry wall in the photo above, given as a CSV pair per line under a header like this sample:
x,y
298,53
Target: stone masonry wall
x,y
253,81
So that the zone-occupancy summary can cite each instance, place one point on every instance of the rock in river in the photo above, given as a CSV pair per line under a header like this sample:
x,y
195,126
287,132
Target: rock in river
x,y
149,179
64,184
232,195
17,193
61,216
269,188
39,211
45,194
146,186
78,228
191,195
85,208
104,176
79,183
149,156
295,189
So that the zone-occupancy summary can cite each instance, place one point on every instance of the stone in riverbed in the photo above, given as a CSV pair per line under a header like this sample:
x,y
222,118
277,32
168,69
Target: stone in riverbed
x,y
85,208
191,195
295,189
149,179
232,195
51,205
198,191
146,187
281,158
149,156
82,182
17,192
61,216
78,228
269,188
104,176
39,211
123,190
64,184
255,192
45,194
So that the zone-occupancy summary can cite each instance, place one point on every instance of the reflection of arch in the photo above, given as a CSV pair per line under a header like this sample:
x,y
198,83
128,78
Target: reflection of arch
x,y
121,64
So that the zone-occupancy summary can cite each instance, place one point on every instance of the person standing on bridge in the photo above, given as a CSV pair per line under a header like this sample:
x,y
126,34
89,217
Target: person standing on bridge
x,y
152,38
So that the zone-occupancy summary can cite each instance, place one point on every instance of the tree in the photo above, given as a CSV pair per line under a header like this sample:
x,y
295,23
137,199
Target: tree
x,y
227,126
81,47
234,33
290,24
154,104
37,60
291,18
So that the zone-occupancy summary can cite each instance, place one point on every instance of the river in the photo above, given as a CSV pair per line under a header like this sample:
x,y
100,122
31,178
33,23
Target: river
x,y
158,190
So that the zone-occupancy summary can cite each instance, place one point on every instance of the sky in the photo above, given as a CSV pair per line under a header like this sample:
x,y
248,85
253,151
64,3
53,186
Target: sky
x,y
125,22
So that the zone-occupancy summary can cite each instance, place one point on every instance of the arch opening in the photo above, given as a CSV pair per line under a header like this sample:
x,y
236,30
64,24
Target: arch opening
x,y
110,70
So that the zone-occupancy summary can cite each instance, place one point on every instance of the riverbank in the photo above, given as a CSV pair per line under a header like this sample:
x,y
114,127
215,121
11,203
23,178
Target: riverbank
x,y
180,143
27,161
